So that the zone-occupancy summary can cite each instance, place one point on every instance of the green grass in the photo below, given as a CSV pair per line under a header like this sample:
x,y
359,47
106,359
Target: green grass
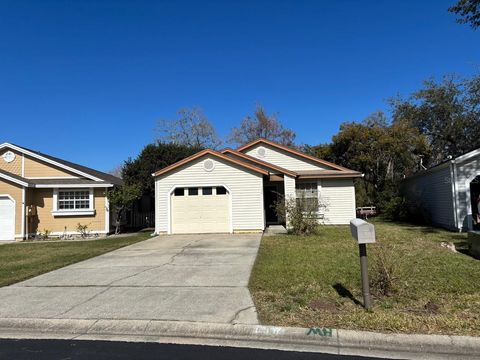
x,y
437,291
21,261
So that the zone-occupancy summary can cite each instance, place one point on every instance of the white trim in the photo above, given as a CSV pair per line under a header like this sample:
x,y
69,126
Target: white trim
x,y
12,179
467,155
52,177
73,186
14,215
73,213
107,213
23,165
454,197
169,199
37,156
23,212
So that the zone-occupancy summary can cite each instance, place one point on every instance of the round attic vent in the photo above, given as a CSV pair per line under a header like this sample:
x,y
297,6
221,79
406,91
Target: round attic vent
x,y
208,165
261,152
8,156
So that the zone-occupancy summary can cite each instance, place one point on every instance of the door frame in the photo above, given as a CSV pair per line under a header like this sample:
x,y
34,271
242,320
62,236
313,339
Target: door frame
x,y
14,213
169,199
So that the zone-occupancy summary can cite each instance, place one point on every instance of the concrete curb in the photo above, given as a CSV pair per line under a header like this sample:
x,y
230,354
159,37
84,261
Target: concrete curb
x,y
343,342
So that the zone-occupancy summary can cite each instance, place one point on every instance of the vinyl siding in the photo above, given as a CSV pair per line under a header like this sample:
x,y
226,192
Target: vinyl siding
x,y
14,167
42,200
465,172
15,191
246,191
339,196
37,168
432,194
284,159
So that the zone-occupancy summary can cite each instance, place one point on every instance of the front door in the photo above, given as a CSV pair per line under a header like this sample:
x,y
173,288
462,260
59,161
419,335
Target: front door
x,y
270,199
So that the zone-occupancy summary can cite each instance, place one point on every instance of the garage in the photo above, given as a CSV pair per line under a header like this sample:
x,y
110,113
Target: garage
x,y
7,218
203,209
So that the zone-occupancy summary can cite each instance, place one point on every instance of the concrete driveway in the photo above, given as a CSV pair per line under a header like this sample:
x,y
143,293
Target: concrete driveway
x,y
179,277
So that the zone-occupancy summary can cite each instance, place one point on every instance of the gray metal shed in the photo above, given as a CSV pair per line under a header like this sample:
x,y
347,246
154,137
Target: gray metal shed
x,y
447,194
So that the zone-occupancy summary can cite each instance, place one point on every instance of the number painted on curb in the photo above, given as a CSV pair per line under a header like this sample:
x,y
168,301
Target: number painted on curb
x,y
321,331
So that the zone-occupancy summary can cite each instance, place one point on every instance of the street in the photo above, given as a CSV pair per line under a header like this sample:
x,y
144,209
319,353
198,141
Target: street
x,y
79,349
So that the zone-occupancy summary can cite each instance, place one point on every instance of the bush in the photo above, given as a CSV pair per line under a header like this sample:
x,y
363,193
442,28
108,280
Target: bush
x,y
301,215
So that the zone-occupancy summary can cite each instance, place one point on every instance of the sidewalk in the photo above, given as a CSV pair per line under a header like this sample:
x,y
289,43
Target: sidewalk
x,y
324,340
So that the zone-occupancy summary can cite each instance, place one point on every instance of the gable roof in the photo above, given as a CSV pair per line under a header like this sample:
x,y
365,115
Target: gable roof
x,y
259,162
213,153
67,165
291,151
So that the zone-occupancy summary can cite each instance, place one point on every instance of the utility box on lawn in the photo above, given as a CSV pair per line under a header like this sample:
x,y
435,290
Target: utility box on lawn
x,y
362,231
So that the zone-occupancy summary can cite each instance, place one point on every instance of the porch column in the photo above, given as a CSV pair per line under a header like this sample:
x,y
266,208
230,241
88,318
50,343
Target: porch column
x,y
289,184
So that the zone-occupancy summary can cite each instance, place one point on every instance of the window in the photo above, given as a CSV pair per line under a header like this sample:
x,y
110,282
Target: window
x,y
74,200
221,190
207,191
192,191
179,192
307,195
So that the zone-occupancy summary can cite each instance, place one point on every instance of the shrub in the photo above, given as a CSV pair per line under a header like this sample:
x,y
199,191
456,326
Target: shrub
x,y
301,215
83,230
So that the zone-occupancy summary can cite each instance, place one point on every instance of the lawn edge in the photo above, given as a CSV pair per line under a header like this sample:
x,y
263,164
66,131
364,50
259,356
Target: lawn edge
x,y
334,341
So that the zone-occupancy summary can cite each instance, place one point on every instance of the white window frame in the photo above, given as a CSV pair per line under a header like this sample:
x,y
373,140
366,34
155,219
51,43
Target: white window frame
x,y
73,212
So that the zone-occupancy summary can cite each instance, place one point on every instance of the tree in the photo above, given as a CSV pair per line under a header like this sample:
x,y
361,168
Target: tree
x,y
121,199
468,12
447,113
261,125
153,158
383,151
116,171
192,129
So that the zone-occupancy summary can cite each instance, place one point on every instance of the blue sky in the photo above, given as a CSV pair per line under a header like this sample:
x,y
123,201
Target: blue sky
x,y
88,80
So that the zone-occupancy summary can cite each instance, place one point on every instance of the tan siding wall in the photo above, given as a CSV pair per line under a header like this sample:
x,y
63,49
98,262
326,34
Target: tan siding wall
x,y
43,200
283,159
37,168
339,195
246,187
15,191
15,167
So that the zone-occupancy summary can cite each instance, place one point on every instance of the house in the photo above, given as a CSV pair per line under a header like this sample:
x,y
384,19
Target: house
x,y
446,194
39,192
233,191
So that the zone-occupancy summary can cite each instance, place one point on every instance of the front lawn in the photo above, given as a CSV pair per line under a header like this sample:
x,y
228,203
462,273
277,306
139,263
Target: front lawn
x,y
315,281
20,261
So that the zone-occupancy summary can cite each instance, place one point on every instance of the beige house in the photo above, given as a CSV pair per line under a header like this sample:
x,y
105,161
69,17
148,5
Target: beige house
x,y
39,192
233,191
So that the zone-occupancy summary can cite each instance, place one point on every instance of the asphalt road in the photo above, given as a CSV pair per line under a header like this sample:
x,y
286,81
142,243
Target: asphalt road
x,y
90,350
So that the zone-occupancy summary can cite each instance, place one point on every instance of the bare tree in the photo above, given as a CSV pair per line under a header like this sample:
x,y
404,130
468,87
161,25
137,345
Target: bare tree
x,y
261,125
117,171
192,128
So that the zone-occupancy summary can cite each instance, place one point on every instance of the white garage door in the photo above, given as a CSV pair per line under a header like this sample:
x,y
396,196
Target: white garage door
x,y
7,218
200,210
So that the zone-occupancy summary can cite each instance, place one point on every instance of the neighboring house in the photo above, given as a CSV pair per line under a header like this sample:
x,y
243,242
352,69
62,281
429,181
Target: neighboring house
x,y
446,194
39,192
233,191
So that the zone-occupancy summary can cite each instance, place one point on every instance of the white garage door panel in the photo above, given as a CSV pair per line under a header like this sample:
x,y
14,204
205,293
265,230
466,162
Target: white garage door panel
x,y
7,218
200,214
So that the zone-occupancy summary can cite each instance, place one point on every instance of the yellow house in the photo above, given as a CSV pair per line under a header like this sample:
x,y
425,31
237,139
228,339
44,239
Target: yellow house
x,y
41,193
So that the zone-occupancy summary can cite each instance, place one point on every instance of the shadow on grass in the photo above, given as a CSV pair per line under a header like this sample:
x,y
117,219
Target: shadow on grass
x,y
345,293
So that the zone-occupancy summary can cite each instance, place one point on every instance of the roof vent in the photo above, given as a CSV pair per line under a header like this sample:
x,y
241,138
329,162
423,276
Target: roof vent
x,y
261,152
9,156
208,165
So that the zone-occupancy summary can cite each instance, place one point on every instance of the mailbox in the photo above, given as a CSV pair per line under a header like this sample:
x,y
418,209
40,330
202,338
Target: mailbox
x,y
362,231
